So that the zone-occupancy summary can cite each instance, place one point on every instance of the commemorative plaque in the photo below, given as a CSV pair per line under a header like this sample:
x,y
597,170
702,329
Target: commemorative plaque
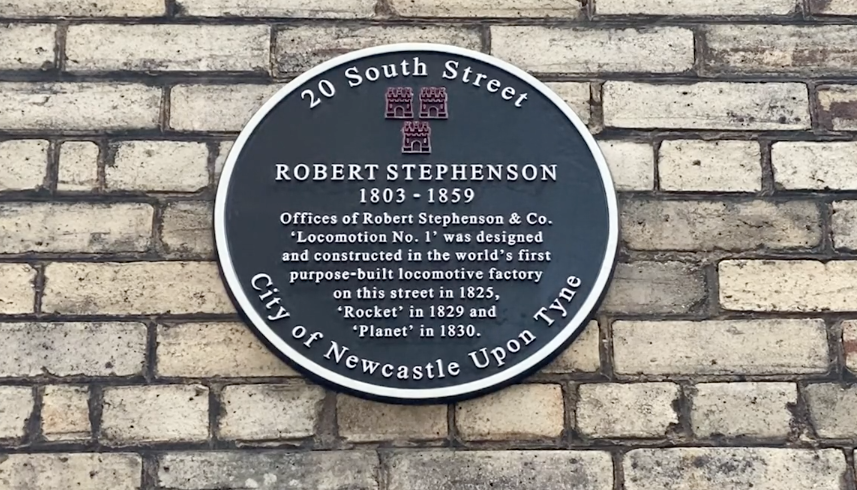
x,y
416,223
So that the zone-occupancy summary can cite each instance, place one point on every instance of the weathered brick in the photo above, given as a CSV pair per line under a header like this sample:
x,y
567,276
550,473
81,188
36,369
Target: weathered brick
x,y
632,165
220,162
838,107
72,349
799,50
269,470
187,230
833,7
576,95
710,166
151,166
302,47
154,48
831,408
65,413
719,225
743,409
808,165
486,8
576,50
260,412
26,47
79,106
740,347
148,414
192,110
78,166
581,356
733,468
844,217
529,411
145,288
849,343
707,105
694,8
215,350
116,471
787,285
91,8
310,9
16,406
507,470
16,290
365,421
24,163
653,288
75,227
626,410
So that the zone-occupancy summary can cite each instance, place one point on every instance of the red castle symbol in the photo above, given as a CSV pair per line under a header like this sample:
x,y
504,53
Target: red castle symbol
x,y
416,135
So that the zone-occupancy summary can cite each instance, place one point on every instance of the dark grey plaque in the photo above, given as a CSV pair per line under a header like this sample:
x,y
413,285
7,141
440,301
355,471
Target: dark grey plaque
x,y
416,223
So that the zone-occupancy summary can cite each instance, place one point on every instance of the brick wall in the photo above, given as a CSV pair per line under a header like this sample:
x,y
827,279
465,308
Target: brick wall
x,y
721,358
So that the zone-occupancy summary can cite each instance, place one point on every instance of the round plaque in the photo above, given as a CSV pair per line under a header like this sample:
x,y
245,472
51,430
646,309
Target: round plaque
x,y
416,223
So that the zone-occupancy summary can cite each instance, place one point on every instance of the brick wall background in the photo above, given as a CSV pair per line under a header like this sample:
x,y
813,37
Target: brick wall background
x,y
721,359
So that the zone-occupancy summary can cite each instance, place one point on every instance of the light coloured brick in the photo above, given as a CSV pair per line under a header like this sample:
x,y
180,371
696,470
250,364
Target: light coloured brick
x,y
136,288
506,470
833,7
734,347
151,414
838,107
187,229
642,410
75,227
831,409
300,48
78,166
576,95
24,164
799,50
582,356
844,224
743,409
710,166
486,8
79,106
632,164
849,343
707,105
168,47
72,349
27,47
695,8
578,50
719,225
158,166
787,285
655,288
266,412
220,162
715,468
269,470
16,406
81,471
809,165
191,108
366,421
215,350
17,294
65,413
528,411
309,9
90,8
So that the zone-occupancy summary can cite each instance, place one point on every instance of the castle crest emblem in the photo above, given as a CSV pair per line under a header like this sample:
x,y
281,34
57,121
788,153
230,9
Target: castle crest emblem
x,y
416,132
